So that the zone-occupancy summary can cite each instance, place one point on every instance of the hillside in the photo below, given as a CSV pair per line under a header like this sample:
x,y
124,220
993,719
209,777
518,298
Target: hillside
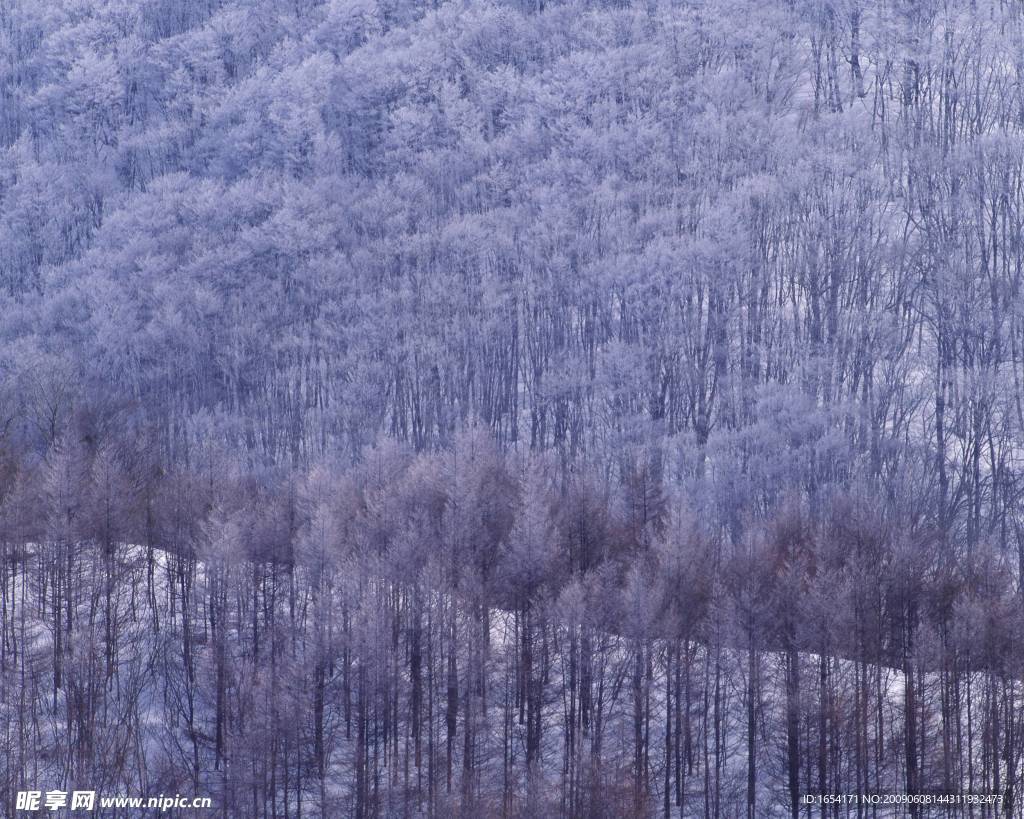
x,y
505,398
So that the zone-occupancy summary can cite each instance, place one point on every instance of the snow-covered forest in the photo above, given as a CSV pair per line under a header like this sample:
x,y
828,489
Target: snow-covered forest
x,y
513,408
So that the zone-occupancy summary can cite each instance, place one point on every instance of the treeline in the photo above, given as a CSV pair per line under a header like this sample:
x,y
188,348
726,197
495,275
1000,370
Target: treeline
x,y
525,408
483,634
586,224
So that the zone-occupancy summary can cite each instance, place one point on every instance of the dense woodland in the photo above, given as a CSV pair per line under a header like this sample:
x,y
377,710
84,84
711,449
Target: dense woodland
x,y
513,409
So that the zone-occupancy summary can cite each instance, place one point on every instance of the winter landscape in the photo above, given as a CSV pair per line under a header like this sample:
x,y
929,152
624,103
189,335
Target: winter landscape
x,y
512,408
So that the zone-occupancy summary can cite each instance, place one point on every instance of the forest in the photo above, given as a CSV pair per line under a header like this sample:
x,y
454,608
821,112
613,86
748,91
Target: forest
x,y
598,409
